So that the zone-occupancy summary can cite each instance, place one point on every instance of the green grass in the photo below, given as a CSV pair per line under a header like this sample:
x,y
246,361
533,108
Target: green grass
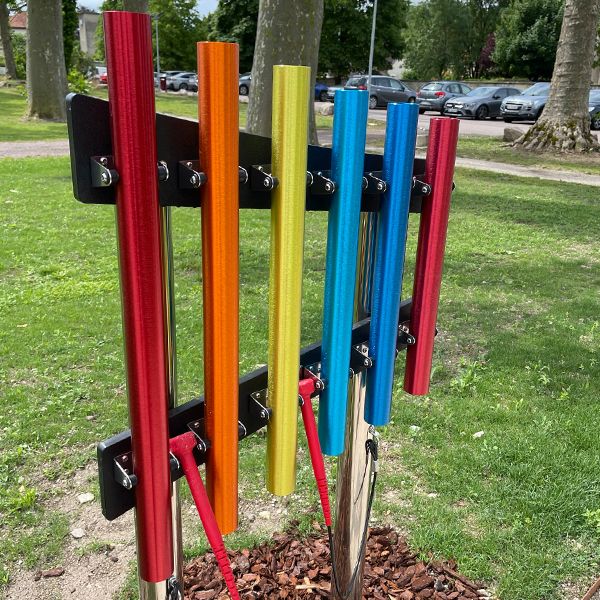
x,y
494,149
13,125
516,358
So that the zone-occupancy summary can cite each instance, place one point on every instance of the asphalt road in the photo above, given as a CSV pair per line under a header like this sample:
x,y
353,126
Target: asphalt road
x,y
493,128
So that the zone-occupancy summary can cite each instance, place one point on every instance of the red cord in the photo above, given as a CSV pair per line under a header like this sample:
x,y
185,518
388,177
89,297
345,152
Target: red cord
x,y
182,448
305,388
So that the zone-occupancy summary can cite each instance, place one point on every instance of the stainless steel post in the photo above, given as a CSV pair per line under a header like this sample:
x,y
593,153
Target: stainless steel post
x,y
352,489
164,589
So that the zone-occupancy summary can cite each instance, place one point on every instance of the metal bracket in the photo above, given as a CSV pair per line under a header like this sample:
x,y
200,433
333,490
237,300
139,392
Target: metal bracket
x,y
421,187
103,171
359,358
243,175
123,471
373,183
321,183
405,338
306,373
261,179
197,428
258,405
190,176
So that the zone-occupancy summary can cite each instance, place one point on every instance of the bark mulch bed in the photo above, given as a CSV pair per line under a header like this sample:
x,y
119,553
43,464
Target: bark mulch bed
x,y
290,567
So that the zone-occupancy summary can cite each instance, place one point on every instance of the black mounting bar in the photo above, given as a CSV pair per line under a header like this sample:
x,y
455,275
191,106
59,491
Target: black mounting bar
x,y
117,479
178,169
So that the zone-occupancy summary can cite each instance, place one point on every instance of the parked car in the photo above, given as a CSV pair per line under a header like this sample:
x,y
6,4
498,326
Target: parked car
x,y
479,103
332,90
383,89
435,94
594,107
246,79
183,81
102,75
528,105
244,83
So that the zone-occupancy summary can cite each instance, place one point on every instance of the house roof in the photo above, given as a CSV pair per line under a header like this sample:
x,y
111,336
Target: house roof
x,y
18,21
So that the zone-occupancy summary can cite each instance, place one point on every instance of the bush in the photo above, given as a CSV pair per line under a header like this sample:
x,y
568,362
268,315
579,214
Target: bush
x,y
20,54
77,82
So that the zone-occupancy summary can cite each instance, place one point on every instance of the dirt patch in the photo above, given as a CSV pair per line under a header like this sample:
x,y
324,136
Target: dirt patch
x,y
95,565
290,567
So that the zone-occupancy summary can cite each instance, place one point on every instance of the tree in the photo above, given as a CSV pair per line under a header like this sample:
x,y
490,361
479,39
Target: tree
x,y
70,24
345,38
565,122
526,38
179,28
435,39
481,18
135,5
46,73
236,21
9,60
288,33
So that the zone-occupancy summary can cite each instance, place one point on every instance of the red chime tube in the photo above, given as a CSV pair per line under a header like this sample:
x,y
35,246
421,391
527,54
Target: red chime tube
x,y
139,224
441,155
219,143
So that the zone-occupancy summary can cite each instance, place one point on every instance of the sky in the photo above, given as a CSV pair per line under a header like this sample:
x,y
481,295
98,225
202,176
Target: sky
x,y
204,6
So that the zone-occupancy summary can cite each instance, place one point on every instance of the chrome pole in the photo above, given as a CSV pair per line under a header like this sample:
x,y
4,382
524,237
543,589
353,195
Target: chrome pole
x,y
352,490
166,590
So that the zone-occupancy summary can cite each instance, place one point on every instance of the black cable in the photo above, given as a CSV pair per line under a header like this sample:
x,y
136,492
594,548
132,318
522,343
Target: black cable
x,y
372,449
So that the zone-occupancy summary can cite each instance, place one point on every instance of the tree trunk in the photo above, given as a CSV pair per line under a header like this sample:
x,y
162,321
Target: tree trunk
x,y
9,59
288,33
565,123
46,73
135,5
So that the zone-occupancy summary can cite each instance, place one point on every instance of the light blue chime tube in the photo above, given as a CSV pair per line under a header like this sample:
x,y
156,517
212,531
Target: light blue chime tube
x,y
398,158
347,161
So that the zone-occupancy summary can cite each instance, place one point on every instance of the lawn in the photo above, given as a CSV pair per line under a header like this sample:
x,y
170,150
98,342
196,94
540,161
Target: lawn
x,y
518,505
14,127
494,149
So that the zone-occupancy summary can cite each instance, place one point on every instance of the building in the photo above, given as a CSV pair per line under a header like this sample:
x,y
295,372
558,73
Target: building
x,y
88,22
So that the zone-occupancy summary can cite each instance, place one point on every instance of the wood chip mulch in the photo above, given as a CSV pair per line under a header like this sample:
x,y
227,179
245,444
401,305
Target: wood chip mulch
x,y
289,567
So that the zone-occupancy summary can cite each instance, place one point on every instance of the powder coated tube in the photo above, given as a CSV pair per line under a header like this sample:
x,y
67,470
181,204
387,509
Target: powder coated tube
x,y
441,154
348,155
219,159
289,153
398,158
139,226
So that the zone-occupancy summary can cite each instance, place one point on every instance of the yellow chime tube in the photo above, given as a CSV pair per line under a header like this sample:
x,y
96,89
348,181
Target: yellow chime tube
x,y
291,88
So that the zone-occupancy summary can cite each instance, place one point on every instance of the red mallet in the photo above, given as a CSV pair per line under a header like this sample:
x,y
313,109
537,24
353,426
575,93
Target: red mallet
x,y
182,448
306,387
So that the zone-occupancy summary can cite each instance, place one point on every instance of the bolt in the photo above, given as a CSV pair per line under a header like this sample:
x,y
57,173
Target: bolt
x,y
103,160
425,189
327,187
366,362
267,182
264,414
197,424
380,186
189,164
124,458
105,178
195,180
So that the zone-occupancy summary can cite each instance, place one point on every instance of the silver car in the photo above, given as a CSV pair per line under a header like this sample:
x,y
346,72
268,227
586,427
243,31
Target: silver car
x,y
435,94
183,81
480,103
527,106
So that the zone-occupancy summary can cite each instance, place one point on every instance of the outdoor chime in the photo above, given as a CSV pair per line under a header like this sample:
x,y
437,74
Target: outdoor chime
x,y
123,153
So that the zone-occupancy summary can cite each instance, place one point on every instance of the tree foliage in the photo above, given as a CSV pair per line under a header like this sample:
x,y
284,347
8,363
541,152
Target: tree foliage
x,y
346,35
236,21
527,37
179,28
451,38
70,24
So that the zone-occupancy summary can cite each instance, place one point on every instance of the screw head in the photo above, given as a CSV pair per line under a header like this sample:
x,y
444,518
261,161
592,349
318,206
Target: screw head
x,y
195,180
328,187
380,186
267,182
105,178
103,160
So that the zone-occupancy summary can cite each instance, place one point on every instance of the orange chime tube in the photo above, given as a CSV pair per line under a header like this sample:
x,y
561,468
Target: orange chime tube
x,y
219,159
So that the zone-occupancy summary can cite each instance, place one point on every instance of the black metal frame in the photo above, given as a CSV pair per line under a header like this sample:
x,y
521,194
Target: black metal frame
x,y
117,499
88,121
179,177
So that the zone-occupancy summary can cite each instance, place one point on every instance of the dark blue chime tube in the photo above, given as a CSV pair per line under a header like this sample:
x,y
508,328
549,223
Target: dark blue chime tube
x,y
349,135
398,158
